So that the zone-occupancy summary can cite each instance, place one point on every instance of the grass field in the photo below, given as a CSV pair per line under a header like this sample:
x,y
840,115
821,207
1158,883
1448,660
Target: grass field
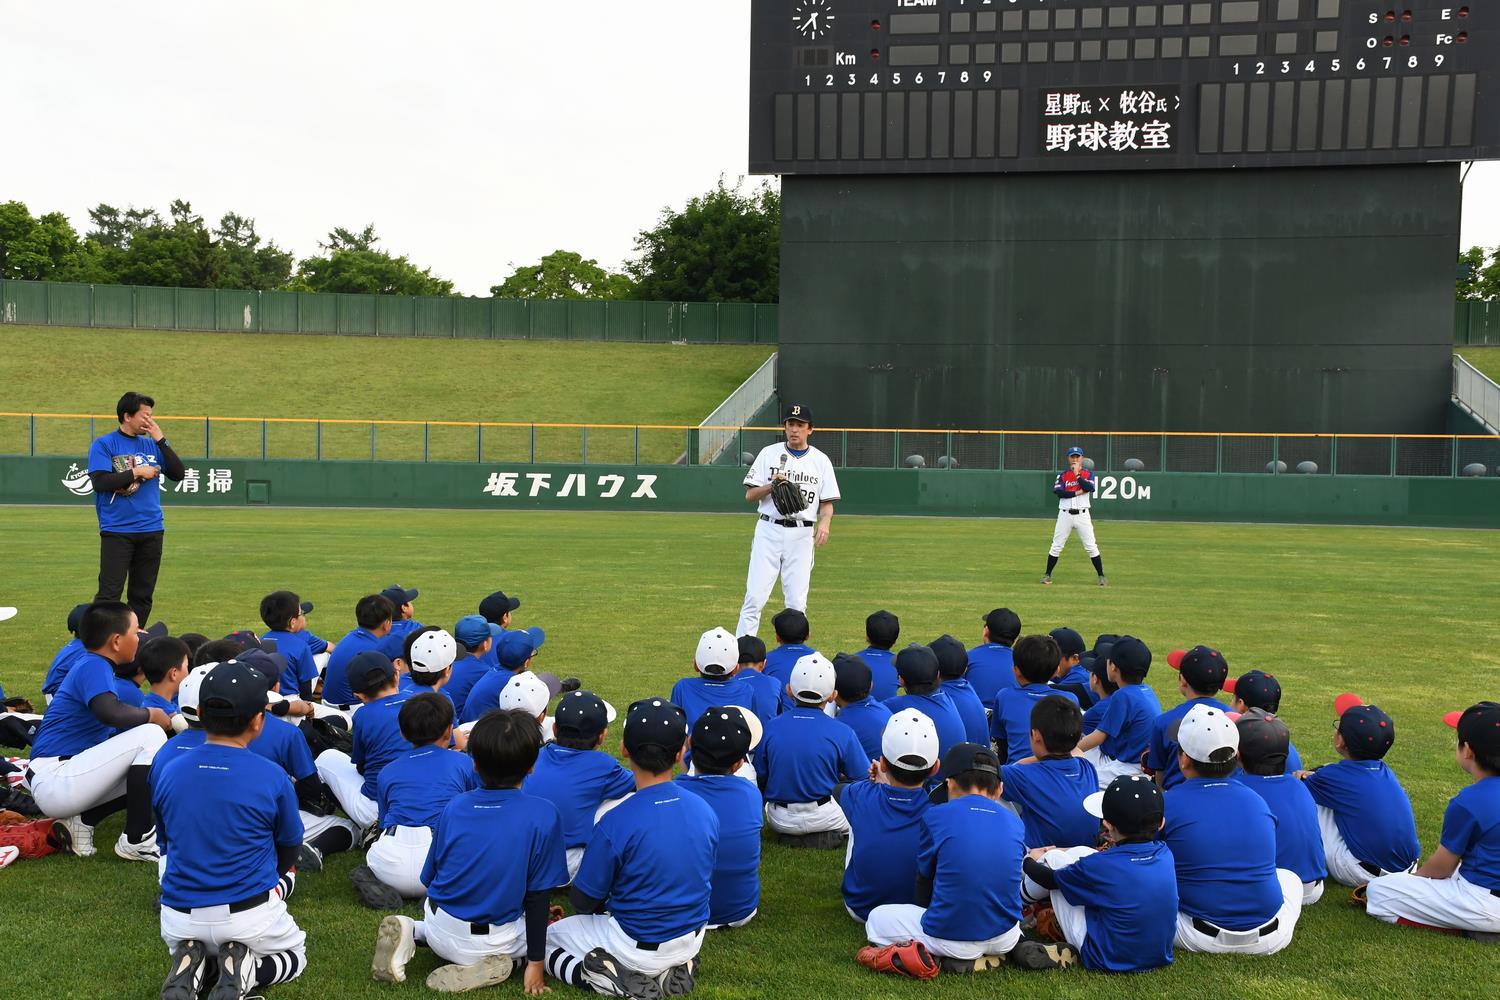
x,y
56,370
1486,359
1405,617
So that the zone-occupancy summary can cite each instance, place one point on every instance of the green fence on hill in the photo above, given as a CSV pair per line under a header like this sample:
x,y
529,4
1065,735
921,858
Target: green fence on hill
x,y
45,303
1476,323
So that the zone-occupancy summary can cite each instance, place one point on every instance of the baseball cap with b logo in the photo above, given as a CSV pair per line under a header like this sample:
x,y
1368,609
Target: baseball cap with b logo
x,y
797,411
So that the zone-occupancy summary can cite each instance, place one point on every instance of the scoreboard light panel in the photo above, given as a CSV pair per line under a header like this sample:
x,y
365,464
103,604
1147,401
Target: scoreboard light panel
x,y
970,86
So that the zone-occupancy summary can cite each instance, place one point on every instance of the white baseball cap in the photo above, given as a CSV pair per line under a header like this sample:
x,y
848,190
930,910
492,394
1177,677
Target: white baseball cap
x,y
1208,735
433,652
6,614
910,740
187,691
812,678
718,653
527,692
752,723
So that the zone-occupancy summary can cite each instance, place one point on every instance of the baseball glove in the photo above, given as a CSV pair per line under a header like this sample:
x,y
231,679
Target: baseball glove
x,y
787,498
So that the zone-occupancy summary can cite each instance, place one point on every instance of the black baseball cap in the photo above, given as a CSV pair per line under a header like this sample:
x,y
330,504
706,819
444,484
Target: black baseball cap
x,y
306,607
399,595
496,606
1130,654
246,639
752,649
654,722
882,626
952,657
851,676
75,617
1203,667
797,411
232,690
1068,640
1104,639
964,757
1264,740
1257,689
269,665
366,667
1097,662
1131,802
1003,621
582,714
1368,732
721,736
790,621
917,665
1479,727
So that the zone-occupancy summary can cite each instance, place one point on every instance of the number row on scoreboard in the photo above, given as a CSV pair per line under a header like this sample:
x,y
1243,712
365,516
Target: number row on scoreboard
x,y
1146,15
961,125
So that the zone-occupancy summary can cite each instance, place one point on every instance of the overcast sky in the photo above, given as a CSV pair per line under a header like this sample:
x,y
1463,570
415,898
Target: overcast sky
x,y
477,136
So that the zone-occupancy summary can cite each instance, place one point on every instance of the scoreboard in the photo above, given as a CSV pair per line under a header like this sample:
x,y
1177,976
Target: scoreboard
x,y
987,86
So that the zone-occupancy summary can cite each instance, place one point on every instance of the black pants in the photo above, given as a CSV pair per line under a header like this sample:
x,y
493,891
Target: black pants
x,y
136,555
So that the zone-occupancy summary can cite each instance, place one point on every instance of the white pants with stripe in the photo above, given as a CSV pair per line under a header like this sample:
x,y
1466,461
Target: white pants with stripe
x,y
95,776
1437,902
894,923
397,859
453,940
799,818
776,551
347,785
578,935
1067,524
1343,867
1251,942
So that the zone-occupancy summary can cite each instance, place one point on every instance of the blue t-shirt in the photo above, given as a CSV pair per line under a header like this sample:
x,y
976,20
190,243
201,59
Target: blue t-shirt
x,y
69,727
1010,725
885,683
868,719
696,695
1093,714
415,788
950,728
221,813
1299,842
991,669
1371,811
578,782
140,512
61,663
735,890
1129,896
1076,680
395,639
779,663
377,738
1050,794
188,739
970,709
153,700
315,643
767,692
484,696
881,863
1223,841
1163,747
1471,830
300,667
1126,721
491,847
971,848
651,858
335,682
804,753
129,692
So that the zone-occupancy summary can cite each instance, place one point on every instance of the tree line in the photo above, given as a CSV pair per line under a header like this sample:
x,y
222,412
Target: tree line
x,y
722,246
1479,273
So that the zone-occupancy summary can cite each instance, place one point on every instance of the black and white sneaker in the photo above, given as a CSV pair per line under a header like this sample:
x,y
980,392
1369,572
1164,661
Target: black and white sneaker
x,y
186,978
374,893
679,980
607,975
236,973
309,859
1047,579
1038,956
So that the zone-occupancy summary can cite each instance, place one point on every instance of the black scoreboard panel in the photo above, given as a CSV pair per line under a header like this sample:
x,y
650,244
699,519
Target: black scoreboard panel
x,y
979,86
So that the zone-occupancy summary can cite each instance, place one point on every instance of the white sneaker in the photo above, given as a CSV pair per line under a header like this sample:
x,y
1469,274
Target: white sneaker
x,y
80,836
395,944
9,854
143,850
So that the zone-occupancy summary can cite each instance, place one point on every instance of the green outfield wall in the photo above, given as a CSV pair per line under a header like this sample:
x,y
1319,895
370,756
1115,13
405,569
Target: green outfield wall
x,y
1388,500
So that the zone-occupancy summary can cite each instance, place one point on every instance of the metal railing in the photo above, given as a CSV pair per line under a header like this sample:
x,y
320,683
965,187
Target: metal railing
x,y
289,438
719,430
1477,393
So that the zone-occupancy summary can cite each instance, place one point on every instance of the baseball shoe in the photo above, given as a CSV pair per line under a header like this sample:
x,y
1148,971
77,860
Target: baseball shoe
x,y
966,967
185,980
77,837
8,855
1483,937
309,859
606,975
679,980
395,944
143,850
1047,579
568,684
492,970
1036,956
906,958
374,893
825,841
236,973
368,837
1103,582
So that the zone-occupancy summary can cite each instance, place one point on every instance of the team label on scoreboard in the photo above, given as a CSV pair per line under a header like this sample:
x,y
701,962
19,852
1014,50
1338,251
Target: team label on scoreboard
x,y
1084,120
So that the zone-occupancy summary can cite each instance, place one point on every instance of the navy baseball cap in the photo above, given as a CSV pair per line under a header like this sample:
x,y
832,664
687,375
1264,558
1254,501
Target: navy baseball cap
x,y
497,606
917,665
1068,640
246,639
1097,662
797,411
1265,741
851,676
1479,727
515,648
1368,732
399,595
724,734
472,630
582,714
654,722
964,757
1075,450
1104,639
752,649
306,607
1131,802
882,626
1003,621
232,690
268,665
1203,667
1257,689
367,667
1130,654
952,657
75,617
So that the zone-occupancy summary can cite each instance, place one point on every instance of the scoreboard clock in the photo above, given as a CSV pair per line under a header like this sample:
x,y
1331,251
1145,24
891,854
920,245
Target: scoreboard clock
x,y
986,86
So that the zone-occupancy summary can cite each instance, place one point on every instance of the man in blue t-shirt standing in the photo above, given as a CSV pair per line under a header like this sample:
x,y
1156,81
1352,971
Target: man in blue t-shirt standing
x,y
125,466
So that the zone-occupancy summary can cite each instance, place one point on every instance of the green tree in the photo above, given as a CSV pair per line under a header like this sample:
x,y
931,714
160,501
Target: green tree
x,y
241,260
352,264
1479,273
724,246
563,274
36,249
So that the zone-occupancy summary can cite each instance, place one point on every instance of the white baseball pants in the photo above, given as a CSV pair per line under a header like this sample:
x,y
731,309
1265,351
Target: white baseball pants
x,y
1108,768
452,940
268,929
799,818
1343,867
776,551
1251,942
1068,523
347,784
1437,902
895,922
94,777
578,935
397,859
1071,918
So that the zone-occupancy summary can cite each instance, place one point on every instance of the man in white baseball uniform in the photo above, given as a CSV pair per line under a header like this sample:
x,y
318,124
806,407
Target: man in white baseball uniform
x,y
1073,486
784,543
